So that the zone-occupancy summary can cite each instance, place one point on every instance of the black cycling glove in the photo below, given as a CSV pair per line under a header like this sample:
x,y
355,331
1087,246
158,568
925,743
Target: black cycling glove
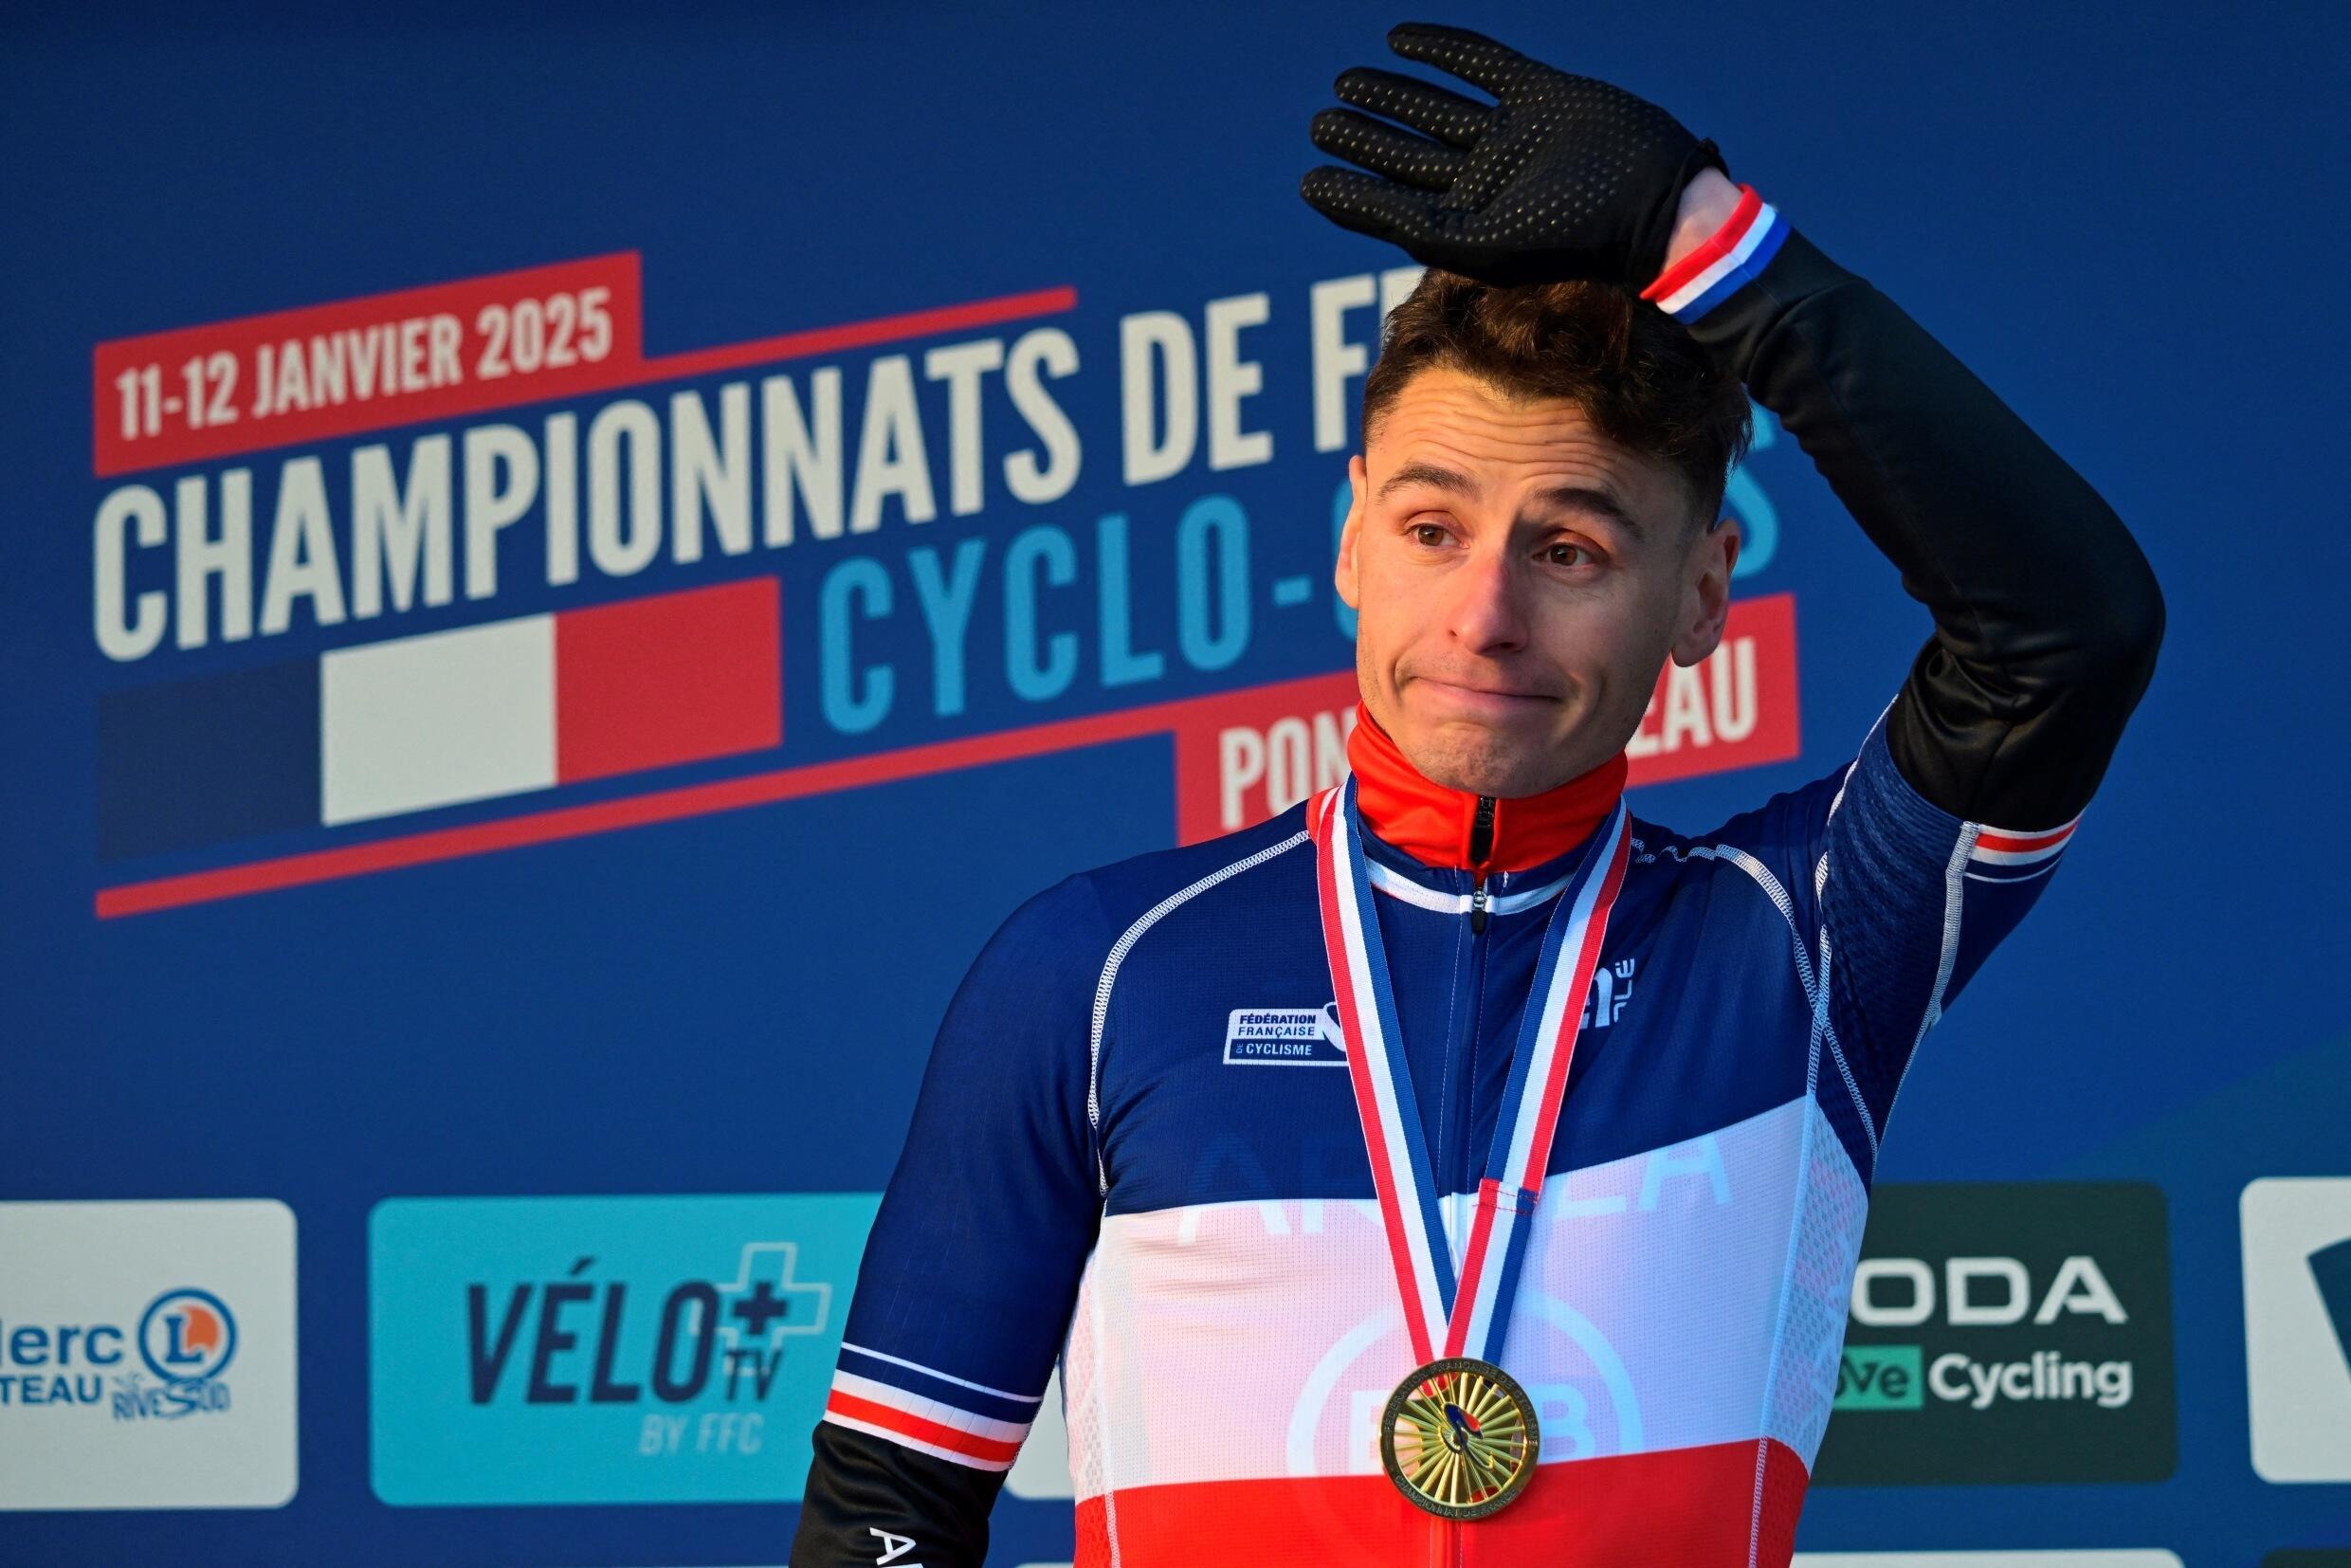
x,y
1564,178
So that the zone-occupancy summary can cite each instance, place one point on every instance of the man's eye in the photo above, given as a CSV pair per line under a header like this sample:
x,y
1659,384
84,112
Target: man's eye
x,y
1564,554
1429,534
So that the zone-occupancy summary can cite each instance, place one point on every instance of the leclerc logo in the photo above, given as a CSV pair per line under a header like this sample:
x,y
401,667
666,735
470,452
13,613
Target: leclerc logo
x,y
2006,1333
604,1350
185,1337
120,1385
2297,1326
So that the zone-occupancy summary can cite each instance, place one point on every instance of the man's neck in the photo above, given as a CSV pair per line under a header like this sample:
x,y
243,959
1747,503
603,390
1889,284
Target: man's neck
x,y
1440,826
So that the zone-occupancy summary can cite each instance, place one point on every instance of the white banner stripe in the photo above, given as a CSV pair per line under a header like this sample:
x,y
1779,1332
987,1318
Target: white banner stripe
x,y
437,719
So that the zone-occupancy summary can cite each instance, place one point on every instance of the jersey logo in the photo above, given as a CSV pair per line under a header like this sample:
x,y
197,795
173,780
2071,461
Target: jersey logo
x,y
893,1548
1284,1037
1612,988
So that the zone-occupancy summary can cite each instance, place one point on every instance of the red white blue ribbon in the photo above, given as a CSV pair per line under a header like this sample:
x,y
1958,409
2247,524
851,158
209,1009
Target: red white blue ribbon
x,y
1458,1308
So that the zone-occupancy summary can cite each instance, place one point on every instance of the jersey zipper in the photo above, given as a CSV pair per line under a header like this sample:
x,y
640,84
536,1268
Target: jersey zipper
x,y
1481,903
1446,1541
1480,846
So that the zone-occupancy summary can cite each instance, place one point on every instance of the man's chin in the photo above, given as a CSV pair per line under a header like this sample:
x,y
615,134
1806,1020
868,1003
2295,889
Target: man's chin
x,y
1505,761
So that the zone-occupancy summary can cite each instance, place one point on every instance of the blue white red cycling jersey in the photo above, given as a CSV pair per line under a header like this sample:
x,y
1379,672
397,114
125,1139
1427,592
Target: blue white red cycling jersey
x,y
1137,1122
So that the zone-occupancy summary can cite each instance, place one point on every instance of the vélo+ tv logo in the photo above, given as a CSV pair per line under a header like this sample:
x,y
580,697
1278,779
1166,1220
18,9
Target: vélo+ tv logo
x,y
636,1349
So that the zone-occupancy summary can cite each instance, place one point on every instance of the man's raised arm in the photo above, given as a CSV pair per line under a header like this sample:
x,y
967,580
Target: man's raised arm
x,y
2046,616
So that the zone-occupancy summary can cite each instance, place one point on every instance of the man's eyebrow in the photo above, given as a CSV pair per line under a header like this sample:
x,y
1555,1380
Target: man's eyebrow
x,y
1577,497
1430,474
1586,498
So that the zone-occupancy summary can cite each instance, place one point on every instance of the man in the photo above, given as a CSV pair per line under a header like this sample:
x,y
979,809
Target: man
x,y
1599,1102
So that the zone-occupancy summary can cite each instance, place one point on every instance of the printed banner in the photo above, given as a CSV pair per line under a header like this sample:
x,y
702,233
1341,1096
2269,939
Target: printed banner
x,y
2007,1332
604,1350
147,1355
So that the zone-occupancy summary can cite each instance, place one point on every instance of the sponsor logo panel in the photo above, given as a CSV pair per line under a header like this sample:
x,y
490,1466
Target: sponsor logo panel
x,y
146,1355
2297,1235
2004,1333
605,1349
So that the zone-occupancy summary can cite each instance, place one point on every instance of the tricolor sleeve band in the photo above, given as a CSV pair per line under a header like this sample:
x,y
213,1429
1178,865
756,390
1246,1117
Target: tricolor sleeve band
x,y
2000,855
928,1411
1732,256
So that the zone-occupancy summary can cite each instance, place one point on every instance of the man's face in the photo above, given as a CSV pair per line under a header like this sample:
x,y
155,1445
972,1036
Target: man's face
x,y
1519,580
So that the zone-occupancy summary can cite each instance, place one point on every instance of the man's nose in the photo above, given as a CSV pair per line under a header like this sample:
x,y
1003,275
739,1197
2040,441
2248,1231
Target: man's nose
x,y
1487,613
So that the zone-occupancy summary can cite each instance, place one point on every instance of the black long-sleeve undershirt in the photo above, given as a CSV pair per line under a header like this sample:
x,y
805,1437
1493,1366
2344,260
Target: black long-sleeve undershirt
x,y
2046,616
861,1486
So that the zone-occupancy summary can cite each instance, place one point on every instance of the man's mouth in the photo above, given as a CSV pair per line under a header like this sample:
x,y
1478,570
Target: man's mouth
x,y
1473,697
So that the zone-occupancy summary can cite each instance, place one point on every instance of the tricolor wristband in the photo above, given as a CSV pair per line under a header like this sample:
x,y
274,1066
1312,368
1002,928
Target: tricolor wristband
x,y
1730,257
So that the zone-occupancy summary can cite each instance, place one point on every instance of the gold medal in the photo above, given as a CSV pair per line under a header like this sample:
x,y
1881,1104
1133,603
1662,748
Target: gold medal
x,y
1459,1437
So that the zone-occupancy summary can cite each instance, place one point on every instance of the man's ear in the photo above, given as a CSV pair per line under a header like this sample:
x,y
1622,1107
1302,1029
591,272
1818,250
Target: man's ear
x,y
1345,576
1707,591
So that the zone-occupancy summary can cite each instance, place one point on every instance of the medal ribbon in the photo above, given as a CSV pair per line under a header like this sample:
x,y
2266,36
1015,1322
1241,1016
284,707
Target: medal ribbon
x,y
1468,1311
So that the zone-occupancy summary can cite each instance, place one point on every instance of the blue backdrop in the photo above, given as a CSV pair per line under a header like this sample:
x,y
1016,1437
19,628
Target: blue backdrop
x,y
2124,218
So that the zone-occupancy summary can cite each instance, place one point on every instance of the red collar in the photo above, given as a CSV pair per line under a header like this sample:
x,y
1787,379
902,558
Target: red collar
x,y
1433,824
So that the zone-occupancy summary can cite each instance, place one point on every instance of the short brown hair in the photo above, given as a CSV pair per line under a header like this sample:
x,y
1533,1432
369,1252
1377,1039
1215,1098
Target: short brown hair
x,y
1637,375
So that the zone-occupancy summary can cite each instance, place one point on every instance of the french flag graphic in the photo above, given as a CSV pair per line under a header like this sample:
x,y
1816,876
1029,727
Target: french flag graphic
x,y
389,728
